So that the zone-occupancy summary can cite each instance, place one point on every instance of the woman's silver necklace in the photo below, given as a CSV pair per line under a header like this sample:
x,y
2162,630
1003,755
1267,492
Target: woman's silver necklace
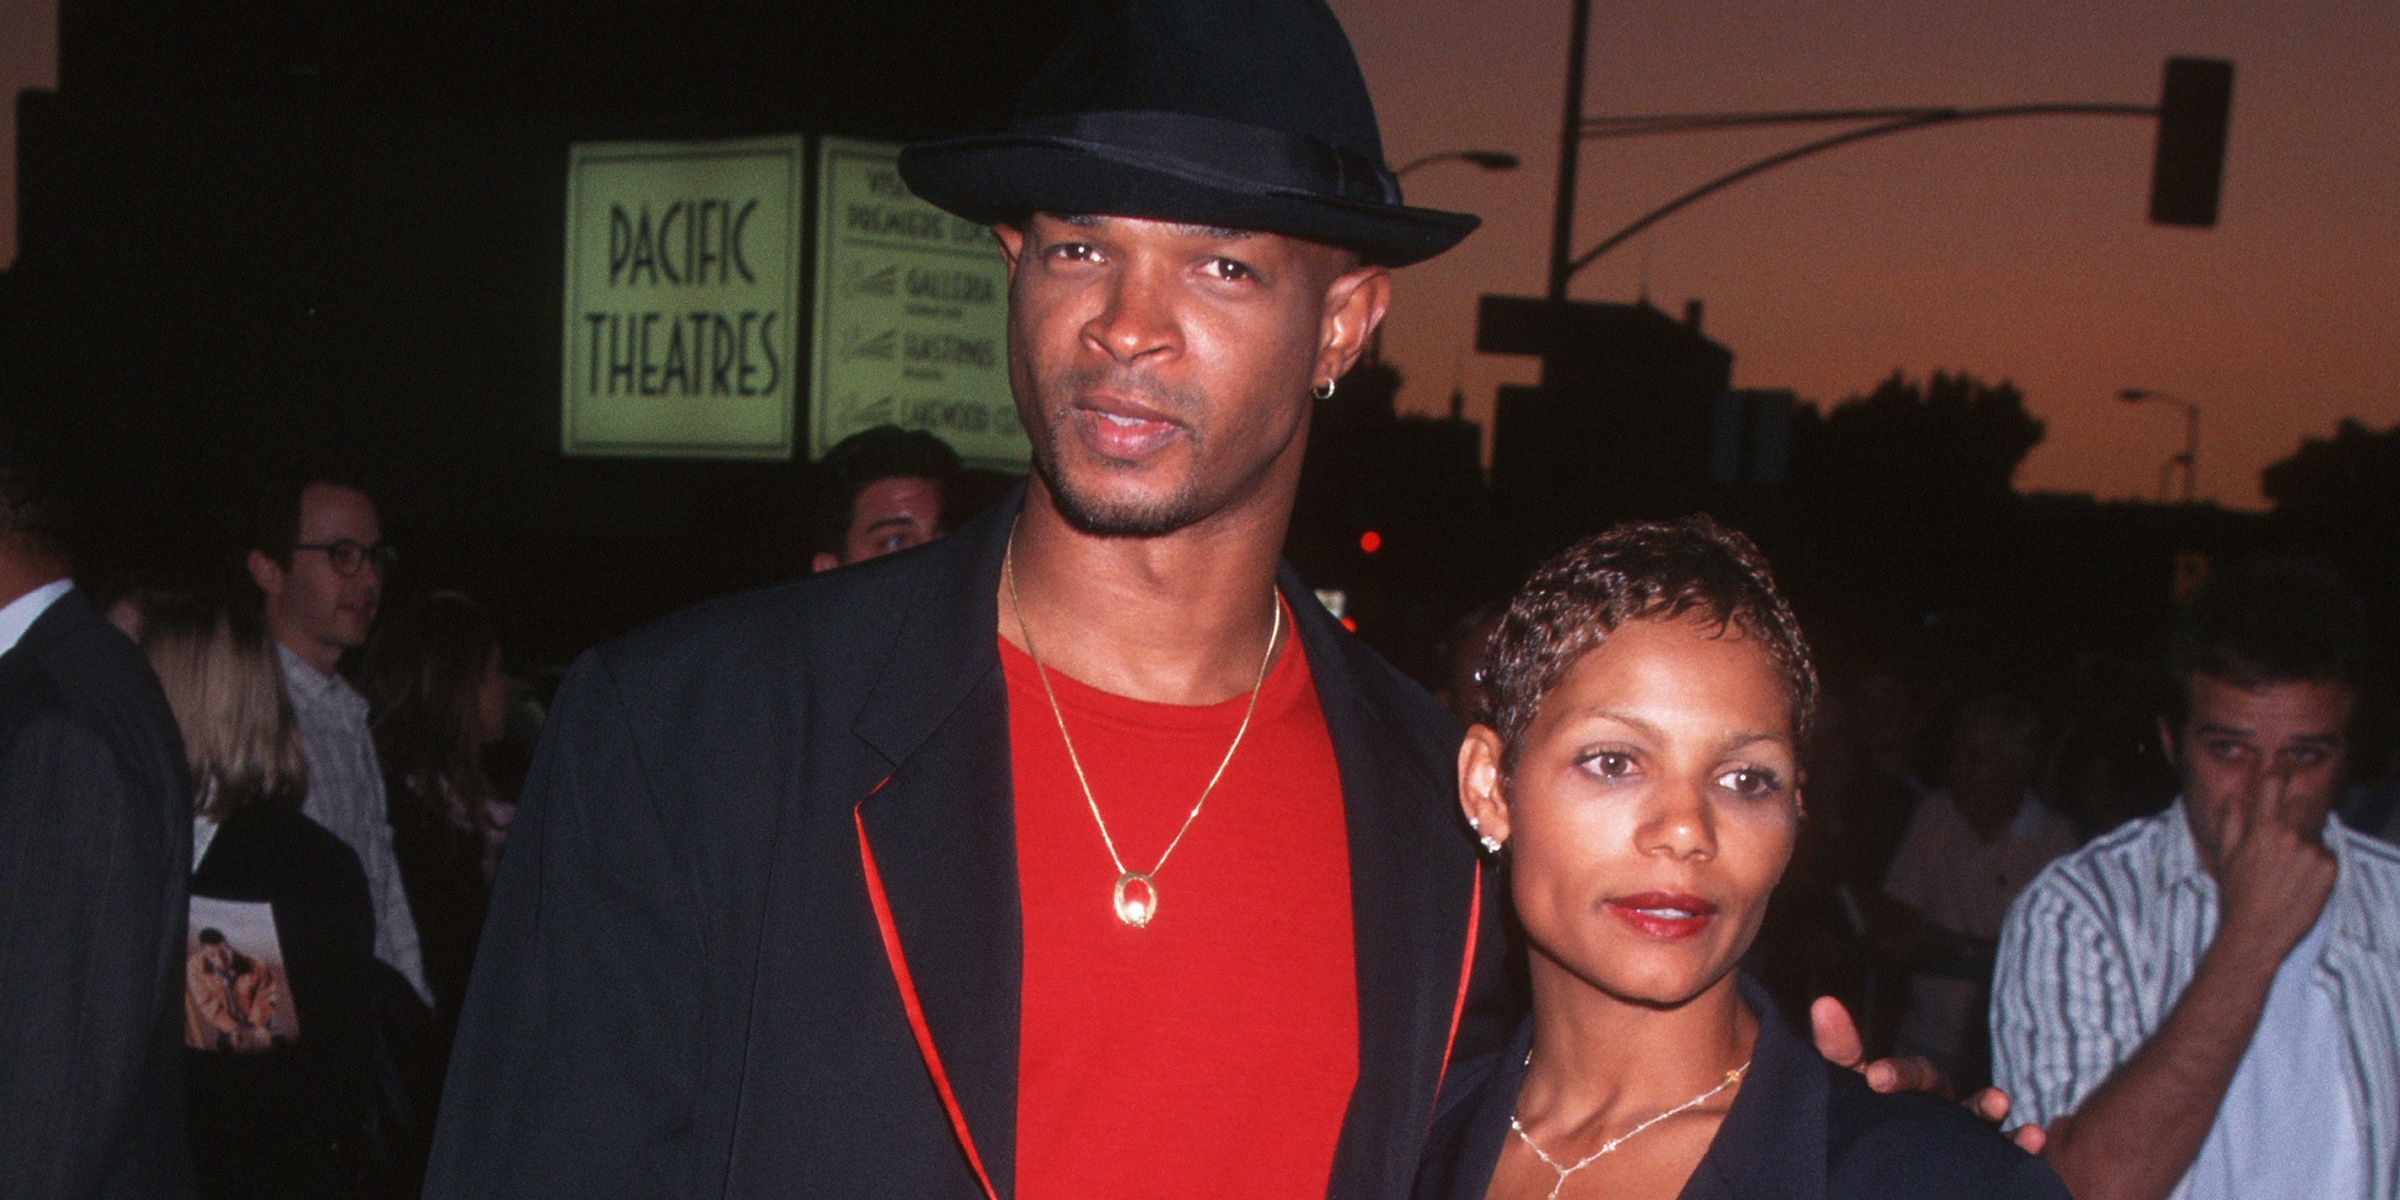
x,y
1136,894
1732,1077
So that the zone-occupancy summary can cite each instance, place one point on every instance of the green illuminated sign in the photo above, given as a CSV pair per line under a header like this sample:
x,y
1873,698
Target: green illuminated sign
x,y
912,314
682,298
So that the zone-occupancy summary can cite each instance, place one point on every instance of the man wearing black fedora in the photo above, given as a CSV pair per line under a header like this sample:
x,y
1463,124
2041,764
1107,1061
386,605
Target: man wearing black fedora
x,y
1078,853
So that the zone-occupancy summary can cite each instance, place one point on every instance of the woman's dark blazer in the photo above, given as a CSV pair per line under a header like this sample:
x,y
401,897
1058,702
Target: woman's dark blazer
x,y
747,824
441,869
1801,1128
277,1123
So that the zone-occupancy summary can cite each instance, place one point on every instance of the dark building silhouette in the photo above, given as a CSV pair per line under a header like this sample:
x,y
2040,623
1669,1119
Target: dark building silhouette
x,y
1621,425
1394,513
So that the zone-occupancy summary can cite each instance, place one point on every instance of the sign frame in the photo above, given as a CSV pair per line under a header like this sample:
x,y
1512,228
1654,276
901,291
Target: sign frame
x,y
911,321
716,366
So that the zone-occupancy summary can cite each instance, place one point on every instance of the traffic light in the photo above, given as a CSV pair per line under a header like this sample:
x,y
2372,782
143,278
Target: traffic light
x,y
2195,105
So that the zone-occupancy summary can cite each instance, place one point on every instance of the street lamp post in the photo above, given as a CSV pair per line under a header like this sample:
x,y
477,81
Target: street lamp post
x,y
2186,170
2189,460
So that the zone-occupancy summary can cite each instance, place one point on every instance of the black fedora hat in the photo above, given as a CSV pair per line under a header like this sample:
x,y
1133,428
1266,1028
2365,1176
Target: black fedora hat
x,y
1250,114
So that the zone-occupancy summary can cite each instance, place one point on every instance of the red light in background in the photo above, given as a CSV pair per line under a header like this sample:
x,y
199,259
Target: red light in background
x,y
1349,624
1370,541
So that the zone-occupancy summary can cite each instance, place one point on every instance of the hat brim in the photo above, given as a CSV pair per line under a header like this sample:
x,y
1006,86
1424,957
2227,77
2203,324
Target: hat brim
x,y
999,178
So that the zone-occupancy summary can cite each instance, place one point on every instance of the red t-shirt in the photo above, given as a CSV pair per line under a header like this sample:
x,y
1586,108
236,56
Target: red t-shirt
x,y
1212,1053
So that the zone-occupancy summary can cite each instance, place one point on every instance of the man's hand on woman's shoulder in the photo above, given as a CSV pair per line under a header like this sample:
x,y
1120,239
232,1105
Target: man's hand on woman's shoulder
x,y
1837,1039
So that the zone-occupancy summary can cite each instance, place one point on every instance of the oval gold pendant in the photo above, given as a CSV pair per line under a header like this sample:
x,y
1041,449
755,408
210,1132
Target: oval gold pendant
x,y
1137,899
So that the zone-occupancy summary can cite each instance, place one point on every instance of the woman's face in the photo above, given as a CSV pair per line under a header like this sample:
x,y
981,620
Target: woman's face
x,y
1652,809
491,700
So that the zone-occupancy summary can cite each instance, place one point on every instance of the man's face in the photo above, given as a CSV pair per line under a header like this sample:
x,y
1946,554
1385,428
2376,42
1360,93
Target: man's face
x,y
890,514
2240,747
312,607
1163,371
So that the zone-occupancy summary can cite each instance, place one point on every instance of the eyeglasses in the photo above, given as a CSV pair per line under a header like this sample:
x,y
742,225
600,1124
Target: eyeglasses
x,y
350,558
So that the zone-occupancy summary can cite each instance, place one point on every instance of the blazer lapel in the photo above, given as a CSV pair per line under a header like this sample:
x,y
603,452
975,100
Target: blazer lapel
x,y
1772,1144
941,832
1411,892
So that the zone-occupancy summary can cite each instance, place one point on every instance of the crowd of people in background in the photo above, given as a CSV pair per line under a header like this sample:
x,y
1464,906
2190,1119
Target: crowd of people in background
x,y
350,751
342,848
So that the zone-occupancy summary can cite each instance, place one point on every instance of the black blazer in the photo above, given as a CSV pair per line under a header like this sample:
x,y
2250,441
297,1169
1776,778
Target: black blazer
x,y
683,987
274,1123
95,849
1801,1128
441,869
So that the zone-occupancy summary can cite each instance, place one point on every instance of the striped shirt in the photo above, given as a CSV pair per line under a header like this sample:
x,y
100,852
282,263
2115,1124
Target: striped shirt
x,y
345,795
2100,946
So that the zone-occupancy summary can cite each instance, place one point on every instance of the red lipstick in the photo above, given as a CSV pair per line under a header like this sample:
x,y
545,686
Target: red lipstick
x,y
1668,916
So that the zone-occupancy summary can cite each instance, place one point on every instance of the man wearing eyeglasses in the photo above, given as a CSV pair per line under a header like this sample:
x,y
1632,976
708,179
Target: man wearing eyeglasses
x,y
318,556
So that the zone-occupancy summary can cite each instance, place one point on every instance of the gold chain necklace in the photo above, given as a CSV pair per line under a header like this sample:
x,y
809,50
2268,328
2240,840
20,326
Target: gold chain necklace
x,y
1732,1077
1136,894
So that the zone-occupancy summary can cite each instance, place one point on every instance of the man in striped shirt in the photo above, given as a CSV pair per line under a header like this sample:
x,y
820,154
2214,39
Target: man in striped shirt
x,y
2206,1003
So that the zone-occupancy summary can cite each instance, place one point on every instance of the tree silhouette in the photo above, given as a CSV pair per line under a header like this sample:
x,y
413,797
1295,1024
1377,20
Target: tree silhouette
x,y
1900,510
2339,497
1905,443
2355,473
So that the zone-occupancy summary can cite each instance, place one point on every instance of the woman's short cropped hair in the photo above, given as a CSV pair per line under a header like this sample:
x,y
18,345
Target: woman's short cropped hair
x,y
1638,571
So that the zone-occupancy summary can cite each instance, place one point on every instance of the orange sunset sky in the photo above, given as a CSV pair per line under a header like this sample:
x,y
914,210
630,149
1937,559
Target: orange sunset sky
x,y
2010,250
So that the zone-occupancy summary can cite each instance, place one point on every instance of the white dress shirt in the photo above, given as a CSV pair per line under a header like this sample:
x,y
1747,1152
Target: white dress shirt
x,y
2099,948
345,795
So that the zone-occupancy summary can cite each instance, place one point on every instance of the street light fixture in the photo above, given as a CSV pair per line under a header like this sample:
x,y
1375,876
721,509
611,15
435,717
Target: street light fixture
x,y
2189,460
1489,160
2196,98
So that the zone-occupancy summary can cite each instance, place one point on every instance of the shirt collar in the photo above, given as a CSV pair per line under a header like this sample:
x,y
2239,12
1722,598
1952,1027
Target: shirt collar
x,y
2352,923
22,612
1772,1143
2179,866
309,686
2179,856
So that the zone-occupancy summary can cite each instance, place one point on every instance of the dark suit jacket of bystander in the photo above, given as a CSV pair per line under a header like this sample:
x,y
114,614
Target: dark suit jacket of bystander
x,y
95,854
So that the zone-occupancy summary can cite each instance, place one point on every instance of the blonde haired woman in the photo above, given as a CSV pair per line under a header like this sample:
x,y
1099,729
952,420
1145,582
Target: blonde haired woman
x,y
275,1110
